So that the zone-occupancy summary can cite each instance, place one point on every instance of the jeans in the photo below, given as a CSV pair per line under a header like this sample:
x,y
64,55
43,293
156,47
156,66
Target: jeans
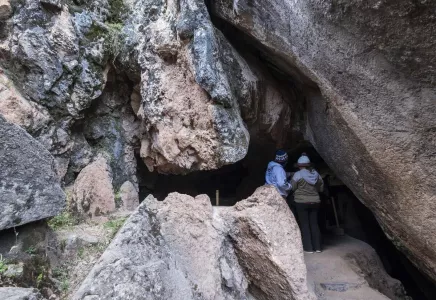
x,y
308,219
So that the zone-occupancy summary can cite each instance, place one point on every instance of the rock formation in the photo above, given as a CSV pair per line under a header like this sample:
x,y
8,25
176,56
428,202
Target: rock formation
x,y
93,194
188,85
29,186
182,249
12,293
373,120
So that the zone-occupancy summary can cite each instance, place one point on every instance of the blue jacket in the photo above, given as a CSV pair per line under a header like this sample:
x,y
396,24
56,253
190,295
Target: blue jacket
x,y
276,175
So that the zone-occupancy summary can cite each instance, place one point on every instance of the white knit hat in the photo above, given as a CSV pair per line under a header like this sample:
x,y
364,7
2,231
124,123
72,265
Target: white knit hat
x,y
303,161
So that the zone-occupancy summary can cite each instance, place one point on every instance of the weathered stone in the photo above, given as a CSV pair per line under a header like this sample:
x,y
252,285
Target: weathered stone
x,y
142,264
268,245
129,196
29,187
14,270
93,193
16,109
182,249
15,293
5,9
185,76
374,123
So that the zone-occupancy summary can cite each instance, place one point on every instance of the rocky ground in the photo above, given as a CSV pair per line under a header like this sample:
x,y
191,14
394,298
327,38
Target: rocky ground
x,y
55,257
183,248
350,269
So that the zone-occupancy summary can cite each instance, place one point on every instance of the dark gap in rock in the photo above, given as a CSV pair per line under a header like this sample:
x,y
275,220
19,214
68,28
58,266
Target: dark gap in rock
x,y
101,131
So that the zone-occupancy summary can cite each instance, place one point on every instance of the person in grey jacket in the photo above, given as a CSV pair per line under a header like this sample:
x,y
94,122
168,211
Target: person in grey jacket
x,y
276,174
307,184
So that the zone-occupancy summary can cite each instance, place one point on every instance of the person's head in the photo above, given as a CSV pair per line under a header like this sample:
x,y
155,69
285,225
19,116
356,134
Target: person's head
x,y
281,157
303,162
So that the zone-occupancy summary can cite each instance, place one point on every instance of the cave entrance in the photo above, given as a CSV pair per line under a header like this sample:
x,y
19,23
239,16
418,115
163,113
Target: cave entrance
x,y
238,181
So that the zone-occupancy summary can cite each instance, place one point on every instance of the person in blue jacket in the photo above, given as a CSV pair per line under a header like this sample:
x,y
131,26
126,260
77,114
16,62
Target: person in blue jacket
x,y
276,174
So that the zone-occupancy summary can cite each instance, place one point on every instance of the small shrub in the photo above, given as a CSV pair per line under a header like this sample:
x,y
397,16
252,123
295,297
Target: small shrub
x,y
114,225
61,274
65,285
39,279
65,219
3,265
111,35
117,11
31,250
81,252
118,201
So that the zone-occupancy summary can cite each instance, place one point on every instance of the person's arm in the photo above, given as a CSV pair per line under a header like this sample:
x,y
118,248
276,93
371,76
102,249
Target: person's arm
x,y
320,184
282,183
294,182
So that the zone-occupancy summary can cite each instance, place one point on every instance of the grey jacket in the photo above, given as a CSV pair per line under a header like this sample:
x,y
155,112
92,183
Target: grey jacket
x,y
306,185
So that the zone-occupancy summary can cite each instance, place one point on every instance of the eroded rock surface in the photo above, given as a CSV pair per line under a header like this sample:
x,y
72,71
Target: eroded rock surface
x,y
374,123
13,293
29,186
128,195
93,193
181,249
267,242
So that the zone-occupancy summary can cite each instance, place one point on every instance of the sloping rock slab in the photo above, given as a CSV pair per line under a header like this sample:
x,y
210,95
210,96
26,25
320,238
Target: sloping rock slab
x,y
267,242
29,186
137,265
13,293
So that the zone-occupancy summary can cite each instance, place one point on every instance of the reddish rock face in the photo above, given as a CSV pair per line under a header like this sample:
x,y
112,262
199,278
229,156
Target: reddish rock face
x,y
93,194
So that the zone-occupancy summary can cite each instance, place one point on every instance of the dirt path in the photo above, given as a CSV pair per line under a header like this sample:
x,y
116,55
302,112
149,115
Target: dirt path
x,y
350,269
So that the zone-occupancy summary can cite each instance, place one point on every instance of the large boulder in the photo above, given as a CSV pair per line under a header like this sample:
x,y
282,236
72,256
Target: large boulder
x,y
29,186
93,193
373,117
267,242
182,248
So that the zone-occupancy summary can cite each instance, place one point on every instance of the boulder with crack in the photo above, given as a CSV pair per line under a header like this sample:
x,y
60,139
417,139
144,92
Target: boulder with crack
x,y
182,249
29,186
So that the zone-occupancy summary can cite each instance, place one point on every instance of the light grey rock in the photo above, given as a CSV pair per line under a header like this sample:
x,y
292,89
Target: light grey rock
x,y
182,248
15,293
141,264
14,270
373,119
5,9
129,196
29,187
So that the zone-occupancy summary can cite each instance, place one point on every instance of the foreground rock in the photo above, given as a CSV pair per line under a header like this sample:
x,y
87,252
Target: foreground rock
x,y
12,293
181,249
267,242
373,62
29,186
